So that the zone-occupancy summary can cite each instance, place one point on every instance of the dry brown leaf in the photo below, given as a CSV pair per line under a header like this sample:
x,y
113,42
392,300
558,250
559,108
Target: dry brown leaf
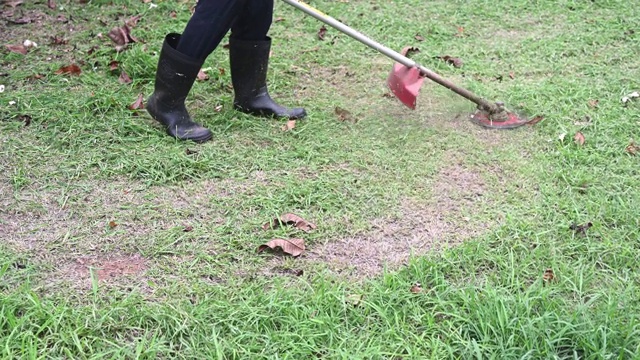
x,y
581,229
456,62
72,69
293,247
548,276
121,36
290,219
322,32
26,119
290,125
344,115
512,75
13,3
579,138
419,37
18,49
21,21
409,50
277,20
138,104
124,78
187,228
55,40
632,148
132,21
416,288
113,65
202,76
535,120
112,224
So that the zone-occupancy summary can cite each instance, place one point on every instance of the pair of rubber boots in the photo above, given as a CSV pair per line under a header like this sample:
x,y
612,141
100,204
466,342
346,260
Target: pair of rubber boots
x,y
177,72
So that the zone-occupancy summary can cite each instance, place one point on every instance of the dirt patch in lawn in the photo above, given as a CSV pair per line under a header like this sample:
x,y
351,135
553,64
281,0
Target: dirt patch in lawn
x,y
418,228
64,231
119,269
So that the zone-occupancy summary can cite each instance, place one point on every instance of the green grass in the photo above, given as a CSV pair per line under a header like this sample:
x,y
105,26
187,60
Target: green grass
x,y
86,160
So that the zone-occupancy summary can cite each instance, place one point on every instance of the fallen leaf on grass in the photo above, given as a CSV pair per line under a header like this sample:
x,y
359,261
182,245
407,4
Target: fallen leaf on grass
x,y
121,36
112,224
18,49
113,65
72,69
456,62
344,115
56,40
535,120
277,20
409,50
416,288
26,119
581,229
290,125
293,247
13,3
548,276
21,21
512,75
138,104
290,219
124,78
187,228
202,76
322,32
579,138
632,148
419,37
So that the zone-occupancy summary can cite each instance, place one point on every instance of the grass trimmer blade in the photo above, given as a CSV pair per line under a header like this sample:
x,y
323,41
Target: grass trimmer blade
x,y
407,76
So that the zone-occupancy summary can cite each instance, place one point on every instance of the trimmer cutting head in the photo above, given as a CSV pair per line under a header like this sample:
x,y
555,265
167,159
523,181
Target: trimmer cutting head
x,y
499,120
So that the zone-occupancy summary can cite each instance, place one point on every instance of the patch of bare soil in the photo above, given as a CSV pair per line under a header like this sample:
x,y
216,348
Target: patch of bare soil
x,y
65,230
106,268
421,227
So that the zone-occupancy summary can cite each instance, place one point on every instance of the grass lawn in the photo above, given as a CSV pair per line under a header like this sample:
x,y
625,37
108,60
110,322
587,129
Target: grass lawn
x,y
434,239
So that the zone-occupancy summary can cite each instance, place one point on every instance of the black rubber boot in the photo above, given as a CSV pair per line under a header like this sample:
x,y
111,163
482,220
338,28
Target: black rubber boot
x,y
174,79
249,66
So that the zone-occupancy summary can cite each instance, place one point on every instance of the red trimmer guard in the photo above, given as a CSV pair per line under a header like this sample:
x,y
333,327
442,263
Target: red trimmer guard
x,y
405,84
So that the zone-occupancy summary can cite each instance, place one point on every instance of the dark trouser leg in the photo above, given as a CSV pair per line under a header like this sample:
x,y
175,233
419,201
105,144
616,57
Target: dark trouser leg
x,y
209,24
249,54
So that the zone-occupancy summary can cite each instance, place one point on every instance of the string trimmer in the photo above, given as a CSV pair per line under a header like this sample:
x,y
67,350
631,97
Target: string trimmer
x,y
407,77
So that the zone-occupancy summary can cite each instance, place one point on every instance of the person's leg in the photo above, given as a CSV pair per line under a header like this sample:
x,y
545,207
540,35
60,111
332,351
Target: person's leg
x,y
207,27
180,61
249,49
